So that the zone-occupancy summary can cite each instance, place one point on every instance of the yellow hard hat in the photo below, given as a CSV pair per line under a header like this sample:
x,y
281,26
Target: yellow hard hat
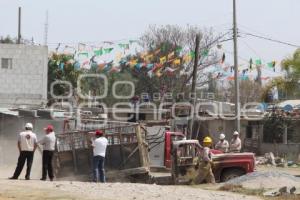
x,y
207,140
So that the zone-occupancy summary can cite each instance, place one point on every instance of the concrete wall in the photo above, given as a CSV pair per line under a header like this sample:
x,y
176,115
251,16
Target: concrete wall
x,y
290,151
217,126
26,82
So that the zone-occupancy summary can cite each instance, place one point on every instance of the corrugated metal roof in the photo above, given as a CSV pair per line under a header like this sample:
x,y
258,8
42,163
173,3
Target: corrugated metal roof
x,y
293,103
7,111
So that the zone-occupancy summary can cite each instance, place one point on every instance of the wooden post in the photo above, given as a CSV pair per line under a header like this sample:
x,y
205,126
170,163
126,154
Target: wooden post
x,y
121,148
74,154
143,156
193,90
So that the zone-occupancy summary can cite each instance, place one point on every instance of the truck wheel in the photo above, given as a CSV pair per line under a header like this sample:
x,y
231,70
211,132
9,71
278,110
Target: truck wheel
x,y
231,173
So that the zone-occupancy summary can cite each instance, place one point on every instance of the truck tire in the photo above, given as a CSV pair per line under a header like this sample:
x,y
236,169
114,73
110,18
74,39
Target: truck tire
x,y
228,174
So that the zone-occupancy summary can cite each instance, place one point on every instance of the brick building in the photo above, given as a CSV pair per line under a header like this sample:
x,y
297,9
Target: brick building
x,y
23,74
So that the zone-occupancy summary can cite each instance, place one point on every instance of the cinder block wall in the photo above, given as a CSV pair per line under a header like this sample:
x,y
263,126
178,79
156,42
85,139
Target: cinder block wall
x,y
26,82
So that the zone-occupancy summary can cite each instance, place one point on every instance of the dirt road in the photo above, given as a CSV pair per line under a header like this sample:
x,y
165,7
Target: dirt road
x,y
35,190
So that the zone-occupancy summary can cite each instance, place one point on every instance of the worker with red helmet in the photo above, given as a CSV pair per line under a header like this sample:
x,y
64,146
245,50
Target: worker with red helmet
x,y
99,152
48,142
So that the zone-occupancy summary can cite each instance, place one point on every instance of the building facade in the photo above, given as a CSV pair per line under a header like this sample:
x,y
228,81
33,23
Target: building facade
x,y
23,75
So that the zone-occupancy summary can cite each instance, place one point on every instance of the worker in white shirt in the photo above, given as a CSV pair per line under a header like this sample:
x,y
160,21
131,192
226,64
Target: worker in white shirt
x,y
236,143
48,142
99,151
223,144
27,143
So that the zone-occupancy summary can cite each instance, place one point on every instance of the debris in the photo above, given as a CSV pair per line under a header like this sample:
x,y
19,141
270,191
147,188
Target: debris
x,y
280,192
270,159
266,179
292,190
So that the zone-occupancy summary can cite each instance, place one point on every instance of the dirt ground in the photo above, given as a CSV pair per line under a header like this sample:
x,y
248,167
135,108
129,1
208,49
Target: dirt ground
x,y
34,190
67,190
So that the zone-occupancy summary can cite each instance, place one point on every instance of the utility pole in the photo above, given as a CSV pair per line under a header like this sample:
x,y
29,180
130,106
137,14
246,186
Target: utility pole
x,y
236,80
194,80
46,30
19,26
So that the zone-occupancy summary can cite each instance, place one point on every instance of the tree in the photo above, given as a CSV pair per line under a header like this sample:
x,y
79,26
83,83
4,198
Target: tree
x,y
7,40
61,67
250,91
173,38
162,46
288,86
291,65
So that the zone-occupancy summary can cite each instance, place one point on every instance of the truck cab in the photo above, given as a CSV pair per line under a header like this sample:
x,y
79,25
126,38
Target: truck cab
x,y
186,156
171,137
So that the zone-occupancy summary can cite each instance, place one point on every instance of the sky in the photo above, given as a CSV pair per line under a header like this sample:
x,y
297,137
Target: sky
x,y
78,21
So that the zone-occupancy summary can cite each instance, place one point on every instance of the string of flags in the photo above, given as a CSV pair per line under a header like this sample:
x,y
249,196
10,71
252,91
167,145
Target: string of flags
x,y
113,57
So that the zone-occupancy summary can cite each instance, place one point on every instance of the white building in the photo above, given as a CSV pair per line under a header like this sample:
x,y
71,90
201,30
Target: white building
x,y
23,74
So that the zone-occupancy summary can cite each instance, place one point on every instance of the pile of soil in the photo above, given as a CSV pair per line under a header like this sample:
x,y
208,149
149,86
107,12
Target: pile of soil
x,y
266,179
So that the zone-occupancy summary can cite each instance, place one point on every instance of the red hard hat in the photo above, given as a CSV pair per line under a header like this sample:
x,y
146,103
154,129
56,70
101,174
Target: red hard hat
x,y
49,128
99,132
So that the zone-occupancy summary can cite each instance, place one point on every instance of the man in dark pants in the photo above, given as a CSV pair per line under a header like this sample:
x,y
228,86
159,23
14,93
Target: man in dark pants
x,y
99,151
48,143
27,143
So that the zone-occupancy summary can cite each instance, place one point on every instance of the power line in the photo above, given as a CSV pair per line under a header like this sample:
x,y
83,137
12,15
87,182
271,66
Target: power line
x,y
272,40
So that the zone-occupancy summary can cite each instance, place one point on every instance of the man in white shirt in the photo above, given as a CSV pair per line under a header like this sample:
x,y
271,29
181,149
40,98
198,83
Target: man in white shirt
x,y
236,143
99,151
27,143
223,144
48,142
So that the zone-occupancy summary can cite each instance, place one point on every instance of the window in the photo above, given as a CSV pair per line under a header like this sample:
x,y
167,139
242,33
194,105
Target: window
x,y
6,63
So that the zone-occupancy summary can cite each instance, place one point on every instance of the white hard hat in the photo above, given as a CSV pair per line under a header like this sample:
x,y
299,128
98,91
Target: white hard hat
x,y
222,136
28,125
236,133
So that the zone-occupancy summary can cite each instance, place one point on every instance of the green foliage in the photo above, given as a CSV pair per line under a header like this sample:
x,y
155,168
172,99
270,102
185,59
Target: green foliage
x,y
61,67
7,40
275,125
288,87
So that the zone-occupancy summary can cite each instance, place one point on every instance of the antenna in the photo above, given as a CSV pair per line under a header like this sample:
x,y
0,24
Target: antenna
x,y
46,30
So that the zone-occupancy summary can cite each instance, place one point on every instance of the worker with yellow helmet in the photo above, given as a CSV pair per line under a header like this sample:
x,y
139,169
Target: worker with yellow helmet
x,y
205,167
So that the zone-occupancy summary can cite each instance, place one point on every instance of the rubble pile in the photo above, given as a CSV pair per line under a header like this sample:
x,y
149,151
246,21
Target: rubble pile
x,y
270,159
266,180
283,191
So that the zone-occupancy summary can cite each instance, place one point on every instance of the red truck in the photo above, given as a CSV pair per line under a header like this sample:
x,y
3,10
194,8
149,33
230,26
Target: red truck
x,y
170,137
185,158
226,166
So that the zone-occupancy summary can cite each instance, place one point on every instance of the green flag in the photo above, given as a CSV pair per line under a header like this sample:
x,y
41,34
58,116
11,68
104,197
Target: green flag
x,y
192,54
270,64
85,54
124,46
178,49
98,52
258,62
204,53
133,41
108,50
